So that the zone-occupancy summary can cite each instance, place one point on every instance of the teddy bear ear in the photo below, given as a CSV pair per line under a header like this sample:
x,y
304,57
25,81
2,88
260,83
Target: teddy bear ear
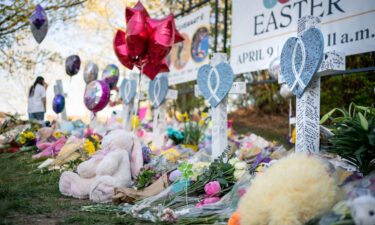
x,y
136,162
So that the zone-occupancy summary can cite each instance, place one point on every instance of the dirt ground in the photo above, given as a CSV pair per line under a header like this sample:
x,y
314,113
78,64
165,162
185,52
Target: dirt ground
x,y
270,127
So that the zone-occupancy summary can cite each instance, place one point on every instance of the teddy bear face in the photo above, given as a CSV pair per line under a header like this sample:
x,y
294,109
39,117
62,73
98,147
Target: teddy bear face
x,y
363,210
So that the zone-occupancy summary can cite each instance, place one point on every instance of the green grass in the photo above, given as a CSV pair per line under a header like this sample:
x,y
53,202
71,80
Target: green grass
x,y
29,197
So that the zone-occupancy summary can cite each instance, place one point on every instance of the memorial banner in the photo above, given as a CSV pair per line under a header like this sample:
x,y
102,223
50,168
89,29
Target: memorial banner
x,y
261,27
188,56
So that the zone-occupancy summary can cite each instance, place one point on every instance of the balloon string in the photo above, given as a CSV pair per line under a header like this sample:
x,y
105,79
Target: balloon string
x,y
133,120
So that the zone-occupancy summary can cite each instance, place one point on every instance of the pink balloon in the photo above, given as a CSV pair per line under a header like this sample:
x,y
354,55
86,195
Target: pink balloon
x,y
96,95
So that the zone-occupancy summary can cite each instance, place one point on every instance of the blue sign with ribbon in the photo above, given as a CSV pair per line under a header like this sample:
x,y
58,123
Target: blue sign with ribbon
x,y
128,90
214,82
158,89
301,58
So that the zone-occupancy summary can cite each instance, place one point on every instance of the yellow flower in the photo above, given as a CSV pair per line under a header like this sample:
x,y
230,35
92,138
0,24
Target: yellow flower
x,y
294,134
89,147
204,115
57,134
96,138
201,122
29,135
22,140
182,117
135,122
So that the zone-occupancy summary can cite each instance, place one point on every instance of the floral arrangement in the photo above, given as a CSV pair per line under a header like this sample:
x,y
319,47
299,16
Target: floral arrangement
x,y
146,177
354,136
194,131
26,138
91,144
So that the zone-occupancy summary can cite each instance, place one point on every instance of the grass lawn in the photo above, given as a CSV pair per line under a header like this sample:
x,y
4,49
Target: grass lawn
x,y
29,197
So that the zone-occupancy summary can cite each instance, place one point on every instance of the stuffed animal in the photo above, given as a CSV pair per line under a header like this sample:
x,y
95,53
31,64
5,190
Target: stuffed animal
x,y
363,210
114,166
292,191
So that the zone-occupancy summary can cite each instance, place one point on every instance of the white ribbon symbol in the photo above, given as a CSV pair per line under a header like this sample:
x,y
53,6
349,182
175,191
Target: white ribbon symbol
x,y
297,74
127,91
209,84
157,92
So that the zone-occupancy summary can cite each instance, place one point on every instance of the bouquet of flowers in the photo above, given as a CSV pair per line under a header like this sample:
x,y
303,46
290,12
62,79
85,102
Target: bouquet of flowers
x,y
26,138
91,144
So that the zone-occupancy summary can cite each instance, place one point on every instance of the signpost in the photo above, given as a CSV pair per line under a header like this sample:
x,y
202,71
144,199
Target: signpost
x,y
302,65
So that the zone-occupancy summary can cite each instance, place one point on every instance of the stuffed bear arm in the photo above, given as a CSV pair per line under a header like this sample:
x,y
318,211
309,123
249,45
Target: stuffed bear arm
x,y
87,169
110,164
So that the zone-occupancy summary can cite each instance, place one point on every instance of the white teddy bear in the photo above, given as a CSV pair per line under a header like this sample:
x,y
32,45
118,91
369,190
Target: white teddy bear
x,y
113,166
363,210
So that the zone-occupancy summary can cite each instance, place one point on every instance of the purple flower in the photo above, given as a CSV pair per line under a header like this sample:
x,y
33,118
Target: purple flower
x,y
261,159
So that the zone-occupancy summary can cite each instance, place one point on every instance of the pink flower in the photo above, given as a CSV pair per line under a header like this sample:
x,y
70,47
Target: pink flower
x,y
212,188
207,201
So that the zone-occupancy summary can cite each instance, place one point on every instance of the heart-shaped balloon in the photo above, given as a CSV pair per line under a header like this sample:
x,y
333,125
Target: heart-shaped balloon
x,y
111,75
128,90
90,72
96,95
301,58
215,82
158,89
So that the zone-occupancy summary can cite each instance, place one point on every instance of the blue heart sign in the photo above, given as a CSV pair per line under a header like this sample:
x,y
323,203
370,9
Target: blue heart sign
x,y
214,82
301,58
128,90
158,89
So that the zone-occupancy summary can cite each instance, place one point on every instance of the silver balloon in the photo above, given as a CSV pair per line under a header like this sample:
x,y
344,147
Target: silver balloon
x,y
39,24
285,91
274,68
90,72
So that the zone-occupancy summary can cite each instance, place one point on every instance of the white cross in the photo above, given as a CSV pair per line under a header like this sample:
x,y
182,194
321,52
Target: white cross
x,y
219,113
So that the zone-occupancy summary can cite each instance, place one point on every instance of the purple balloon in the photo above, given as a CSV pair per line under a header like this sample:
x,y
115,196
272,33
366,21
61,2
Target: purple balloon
x,y
58,103
38,17
39,24
96,95
72,65
111,75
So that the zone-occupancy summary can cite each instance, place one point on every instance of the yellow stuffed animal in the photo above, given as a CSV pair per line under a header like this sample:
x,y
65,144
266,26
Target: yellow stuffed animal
x,y
293,191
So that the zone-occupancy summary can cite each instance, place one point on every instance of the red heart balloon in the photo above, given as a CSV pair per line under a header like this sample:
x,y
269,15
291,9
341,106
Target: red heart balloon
x,y
151,70
121,49
129,12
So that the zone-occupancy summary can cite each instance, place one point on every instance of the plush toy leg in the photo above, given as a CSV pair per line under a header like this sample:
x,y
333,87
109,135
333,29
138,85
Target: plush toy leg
x,y
71,184
102,189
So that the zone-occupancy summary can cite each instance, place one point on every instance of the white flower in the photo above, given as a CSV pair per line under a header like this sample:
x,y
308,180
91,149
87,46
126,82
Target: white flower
x,y
238,174
233,161
240,165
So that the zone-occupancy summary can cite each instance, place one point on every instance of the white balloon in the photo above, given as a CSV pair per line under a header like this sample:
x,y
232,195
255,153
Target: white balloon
x,y
285,91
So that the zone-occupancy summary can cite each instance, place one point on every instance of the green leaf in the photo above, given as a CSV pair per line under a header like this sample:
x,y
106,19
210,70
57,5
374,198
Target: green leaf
x,y
326,116
364,122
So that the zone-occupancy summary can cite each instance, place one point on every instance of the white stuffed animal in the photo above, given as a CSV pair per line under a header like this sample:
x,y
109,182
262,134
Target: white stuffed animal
x,y
363,210
113,166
